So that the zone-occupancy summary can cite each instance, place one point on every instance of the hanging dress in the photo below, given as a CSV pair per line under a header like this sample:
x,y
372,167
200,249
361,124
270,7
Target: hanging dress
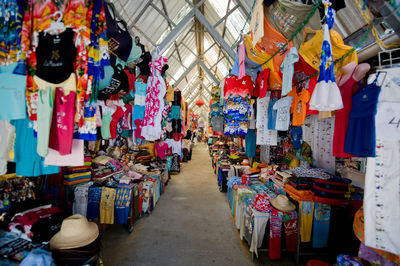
x,y
342,117
326,96
360,137
156,90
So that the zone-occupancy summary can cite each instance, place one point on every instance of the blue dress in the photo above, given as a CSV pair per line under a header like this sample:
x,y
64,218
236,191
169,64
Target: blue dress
x,y
360,137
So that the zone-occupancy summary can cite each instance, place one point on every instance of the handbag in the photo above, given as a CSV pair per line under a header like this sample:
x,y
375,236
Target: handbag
x,y
118,82
119,39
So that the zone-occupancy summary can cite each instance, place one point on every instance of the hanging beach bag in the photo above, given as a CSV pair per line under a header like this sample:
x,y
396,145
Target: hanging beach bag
x,y
119,39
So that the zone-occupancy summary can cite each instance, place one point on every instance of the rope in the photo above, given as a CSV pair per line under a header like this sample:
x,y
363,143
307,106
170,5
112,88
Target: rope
x,y
370,22
363,38
240,34
303,24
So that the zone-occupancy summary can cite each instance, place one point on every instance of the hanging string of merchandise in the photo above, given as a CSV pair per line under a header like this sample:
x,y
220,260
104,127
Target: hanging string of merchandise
x,y
362,40
370,21
293,35
303,24
237,40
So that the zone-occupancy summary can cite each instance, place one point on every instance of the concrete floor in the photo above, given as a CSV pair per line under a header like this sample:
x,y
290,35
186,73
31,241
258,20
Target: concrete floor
x,y
190,225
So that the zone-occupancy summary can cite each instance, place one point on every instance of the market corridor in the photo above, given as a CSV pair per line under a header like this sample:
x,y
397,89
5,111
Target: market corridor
x,y
190,225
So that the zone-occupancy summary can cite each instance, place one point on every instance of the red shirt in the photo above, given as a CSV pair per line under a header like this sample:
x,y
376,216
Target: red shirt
x,y
234,86
262,84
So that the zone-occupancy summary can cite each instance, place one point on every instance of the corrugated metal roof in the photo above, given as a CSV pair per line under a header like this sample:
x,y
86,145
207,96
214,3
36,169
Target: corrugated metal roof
x,y
151,21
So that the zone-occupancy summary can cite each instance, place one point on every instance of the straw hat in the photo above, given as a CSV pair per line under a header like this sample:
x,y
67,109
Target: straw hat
x,y
282,203
75,232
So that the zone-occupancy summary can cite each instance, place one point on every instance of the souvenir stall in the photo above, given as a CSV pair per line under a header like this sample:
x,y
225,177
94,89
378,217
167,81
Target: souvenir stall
x,y
320,141
89,128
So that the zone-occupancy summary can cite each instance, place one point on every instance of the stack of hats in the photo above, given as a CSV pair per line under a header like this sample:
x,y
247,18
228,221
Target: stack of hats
x,y
77,242
77,175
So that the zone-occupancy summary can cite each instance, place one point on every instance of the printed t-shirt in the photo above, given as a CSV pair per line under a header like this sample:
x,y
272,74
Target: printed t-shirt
x,y
217,123
255,60
241,87
287,69
299,106
283,113
275,81
302,70
272,113
170,93
160,148
297,134
44,117
28,162
262,84
271,42
12,94
140,101
55,56
62,125
258,56
138,130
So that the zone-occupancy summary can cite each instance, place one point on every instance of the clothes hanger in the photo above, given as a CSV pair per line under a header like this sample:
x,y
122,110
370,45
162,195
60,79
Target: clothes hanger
x,y
307,31
56,26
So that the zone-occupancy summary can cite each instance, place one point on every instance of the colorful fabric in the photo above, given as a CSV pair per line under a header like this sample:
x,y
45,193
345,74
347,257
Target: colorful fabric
x,y
107,205
275,234
320,235
306,217
156,90
93,205
123,203
11,18
367,253
261,203
38,16
236,112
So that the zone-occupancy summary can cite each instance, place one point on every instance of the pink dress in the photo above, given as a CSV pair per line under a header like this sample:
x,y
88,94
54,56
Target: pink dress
x,y
154,107
342,117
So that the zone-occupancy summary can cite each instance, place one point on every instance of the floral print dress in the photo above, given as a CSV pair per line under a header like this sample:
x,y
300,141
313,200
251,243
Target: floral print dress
x,y
156,89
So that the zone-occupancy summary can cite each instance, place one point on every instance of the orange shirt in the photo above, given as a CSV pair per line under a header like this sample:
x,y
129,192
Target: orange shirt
x,y
271,42
299,106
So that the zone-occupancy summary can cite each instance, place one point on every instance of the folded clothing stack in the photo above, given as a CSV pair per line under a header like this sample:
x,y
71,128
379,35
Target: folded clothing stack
x,y
298,195
77,175
332,191
301,183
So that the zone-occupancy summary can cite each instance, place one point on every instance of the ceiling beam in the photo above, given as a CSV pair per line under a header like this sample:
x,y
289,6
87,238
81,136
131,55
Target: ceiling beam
x,y
190,68
240,4
135,20
171,25
223,35
226,15
163,14
208,72
187,71
203,20
175,32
